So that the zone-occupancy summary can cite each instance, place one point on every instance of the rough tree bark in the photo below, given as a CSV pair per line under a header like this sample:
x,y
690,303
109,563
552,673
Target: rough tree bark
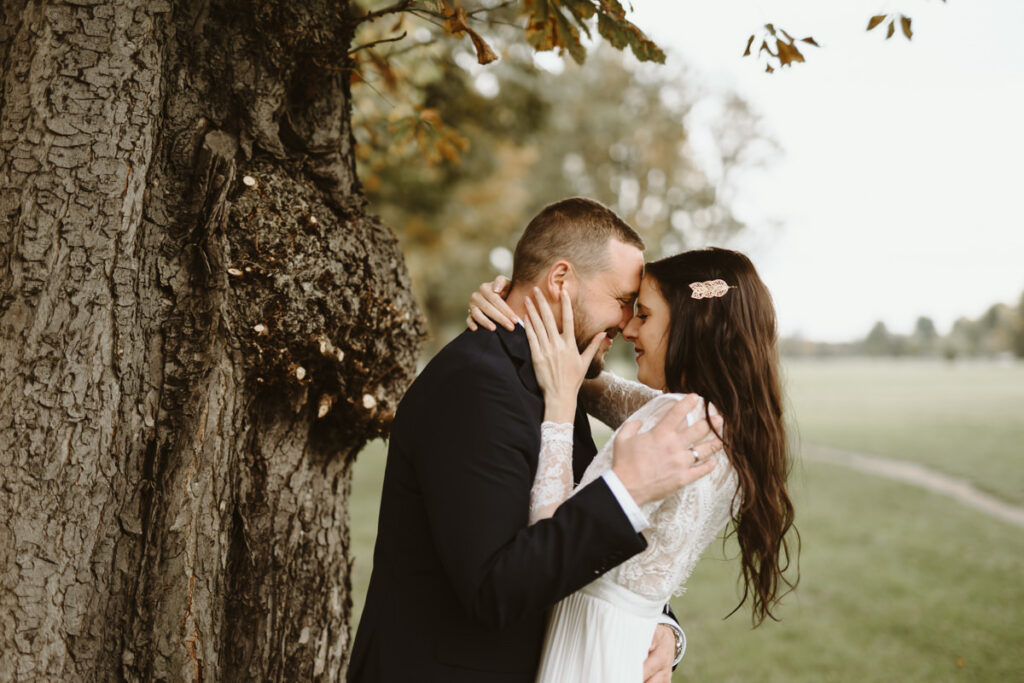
x,y
199,328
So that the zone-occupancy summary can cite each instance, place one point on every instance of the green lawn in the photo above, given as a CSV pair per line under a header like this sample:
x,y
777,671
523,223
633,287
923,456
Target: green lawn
x,y
965,419
898,584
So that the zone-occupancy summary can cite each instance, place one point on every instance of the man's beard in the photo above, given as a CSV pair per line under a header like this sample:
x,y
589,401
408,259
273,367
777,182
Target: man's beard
x,y
584,337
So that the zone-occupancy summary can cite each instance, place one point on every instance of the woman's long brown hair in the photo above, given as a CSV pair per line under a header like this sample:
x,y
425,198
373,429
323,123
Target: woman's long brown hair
x,y
724,349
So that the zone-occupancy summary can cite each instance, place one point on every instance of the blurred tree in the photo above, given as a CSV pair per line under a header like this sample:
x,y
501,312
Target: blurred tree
x,y
878,342
924,329
924,339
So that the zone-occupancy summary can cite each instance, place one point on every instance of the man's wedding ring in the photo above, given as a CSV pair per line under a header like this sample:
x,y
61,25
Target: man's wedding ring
x,y
696,456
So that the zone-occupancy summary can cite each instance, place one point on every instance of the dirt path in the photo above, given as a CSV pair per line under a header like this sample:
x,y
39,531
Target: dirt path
x,y
919,475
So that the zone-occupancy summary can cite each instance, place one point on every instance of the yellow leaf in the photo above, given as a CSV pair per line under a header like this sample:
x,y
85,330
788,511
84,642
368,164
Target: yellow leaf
x,y
906,27
876,20
788,53
455,23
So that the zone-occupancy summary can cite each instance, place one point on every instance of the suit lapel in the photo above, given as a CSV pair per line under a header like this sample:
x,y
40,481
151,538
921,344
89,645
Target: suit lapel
x,y
518,348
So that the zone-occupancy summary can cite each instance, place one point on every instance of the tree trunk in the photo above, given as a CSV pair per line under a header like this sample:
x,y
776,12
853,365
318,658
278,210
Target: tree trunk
x,y
199,329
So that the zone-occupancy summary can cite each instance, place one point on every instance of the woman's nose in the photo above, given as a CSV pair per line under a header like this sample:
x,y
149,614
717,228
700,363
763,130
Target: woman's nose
x,y
629,331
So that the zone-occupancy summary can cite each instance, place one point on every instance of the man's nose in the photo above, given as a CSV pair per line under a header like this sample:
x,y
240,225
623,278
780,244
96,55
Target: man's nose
x,y
629,331
627,318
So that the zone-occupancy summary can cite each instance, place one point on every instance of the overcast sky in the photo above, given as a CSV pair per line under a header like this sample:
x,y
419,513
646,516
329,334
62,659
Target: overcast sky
x,y
899,191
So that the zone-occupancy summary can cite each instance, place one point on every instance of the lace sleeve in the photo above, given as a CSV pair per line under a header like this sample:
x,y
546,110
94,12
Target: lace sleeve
x,y
553,482
611,399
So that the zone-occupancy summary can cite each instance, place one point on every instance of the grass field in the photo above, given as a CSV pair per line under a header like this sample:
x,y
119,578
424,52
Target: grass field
x,y
965,419
897,584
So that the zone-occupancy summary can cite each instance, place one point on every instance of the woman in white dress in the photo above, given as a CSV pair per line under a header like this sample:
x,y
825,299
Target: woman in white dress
x,y
704,324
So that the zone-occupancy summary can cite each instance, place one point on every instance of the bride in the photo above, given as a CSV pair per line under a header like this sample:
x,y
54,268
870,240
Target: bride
x,y
704,324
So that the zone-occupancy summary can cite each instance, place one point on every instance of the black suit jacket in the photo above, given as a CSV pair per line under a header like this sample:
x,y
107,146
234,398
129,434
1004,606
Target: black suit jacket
x,y
460,582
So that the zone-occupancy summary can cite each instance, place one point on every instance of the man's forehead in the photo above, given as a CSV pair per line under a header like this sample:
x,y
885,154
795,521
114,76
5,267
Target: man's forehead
x,y
627,267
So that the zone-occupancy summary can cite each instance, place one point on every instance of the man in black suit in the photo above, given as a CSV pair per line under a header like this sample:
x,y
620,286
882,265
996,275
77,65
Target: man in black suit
x,y
460,582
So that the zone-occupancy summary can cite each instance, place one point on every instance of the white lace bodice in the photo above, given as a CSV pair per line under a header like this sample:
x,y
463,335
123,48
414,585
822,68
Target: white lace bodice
x,y
682,525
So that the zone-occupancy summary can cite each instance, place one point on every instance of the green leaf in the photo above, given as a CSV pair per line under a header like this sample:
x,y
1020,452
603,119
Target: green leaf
x,y
580,11
621,33
548,27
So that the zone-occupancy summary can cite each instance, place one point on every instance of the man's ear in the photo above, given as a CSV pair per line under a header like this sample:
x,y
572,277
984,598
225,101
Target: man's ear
x,y
560,274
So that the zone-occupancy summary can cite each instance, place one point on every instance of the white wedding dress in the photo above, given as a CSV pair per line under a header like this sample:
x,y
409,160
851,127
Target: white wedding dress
x,y
602,632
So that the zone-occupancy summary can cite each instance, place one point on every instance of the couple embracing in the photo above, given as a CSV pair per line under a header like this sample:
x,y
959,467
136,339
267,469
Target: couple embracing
x,y
508,547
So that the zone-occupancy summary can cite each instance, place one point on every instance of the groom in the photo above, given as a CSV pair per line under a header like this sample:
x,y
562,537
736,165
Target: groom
x,y
460,582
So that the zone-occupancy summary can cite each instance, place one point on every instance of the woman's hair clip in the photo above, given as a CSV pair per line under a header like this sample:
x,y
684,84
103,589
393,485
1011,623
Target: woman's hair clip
x,y
709,289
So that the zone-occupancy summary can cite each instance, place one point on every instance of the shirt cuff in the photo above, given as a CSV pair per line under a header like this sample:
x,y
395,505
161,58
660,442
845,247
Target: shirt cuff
x,y
668,621
636,516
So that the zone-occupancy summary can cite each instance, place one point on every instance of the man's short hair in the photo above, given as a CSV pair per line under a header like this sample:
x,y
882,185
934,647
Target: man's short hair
x,y
575,229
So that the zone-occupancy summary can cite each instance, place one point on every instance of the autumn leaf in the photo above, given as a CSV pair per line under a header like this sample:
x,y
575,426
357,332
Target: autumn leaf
x,y
876,20
750,41
906,27
556,24
455,23
786,50
431,116
892,30
621,33
788,53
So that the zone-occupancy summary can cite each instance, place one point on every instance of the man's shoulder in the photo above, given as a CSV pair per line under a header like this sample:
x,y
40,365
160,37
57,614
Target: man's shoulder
x,y
472,372
480,351
469,364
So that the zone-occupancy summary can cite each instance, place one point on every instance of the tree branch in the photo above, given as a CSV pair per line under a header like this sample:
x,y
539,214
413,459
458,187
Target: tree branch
x,y
401,6
480,10
393,39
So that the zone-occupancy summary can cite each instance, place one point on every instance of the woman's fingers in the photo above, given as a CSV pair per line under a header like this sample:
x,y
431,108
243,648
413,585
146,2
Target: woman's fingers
x,y
476,315
538,324
501,285
549,318
531,337
487,309
493,304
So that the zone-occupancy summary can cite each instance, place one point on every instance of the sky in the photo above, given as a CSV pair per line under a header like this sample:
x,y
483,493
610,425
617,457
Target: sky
x,y
899,185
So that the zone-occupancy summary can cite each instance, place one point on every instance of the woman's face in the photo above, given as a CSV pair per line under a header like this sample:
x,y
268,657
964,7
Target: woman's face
x,y
648,331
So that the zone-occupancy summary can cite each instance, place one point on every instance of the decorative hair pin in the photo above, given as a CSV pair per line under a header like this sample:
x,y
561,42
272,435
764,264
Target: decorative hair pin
x,y
709,289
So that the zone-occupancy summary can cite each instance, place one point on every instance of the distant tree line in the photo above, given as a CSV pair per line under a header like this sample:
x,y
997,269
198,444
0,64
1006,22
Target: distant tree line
x,y
997,332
